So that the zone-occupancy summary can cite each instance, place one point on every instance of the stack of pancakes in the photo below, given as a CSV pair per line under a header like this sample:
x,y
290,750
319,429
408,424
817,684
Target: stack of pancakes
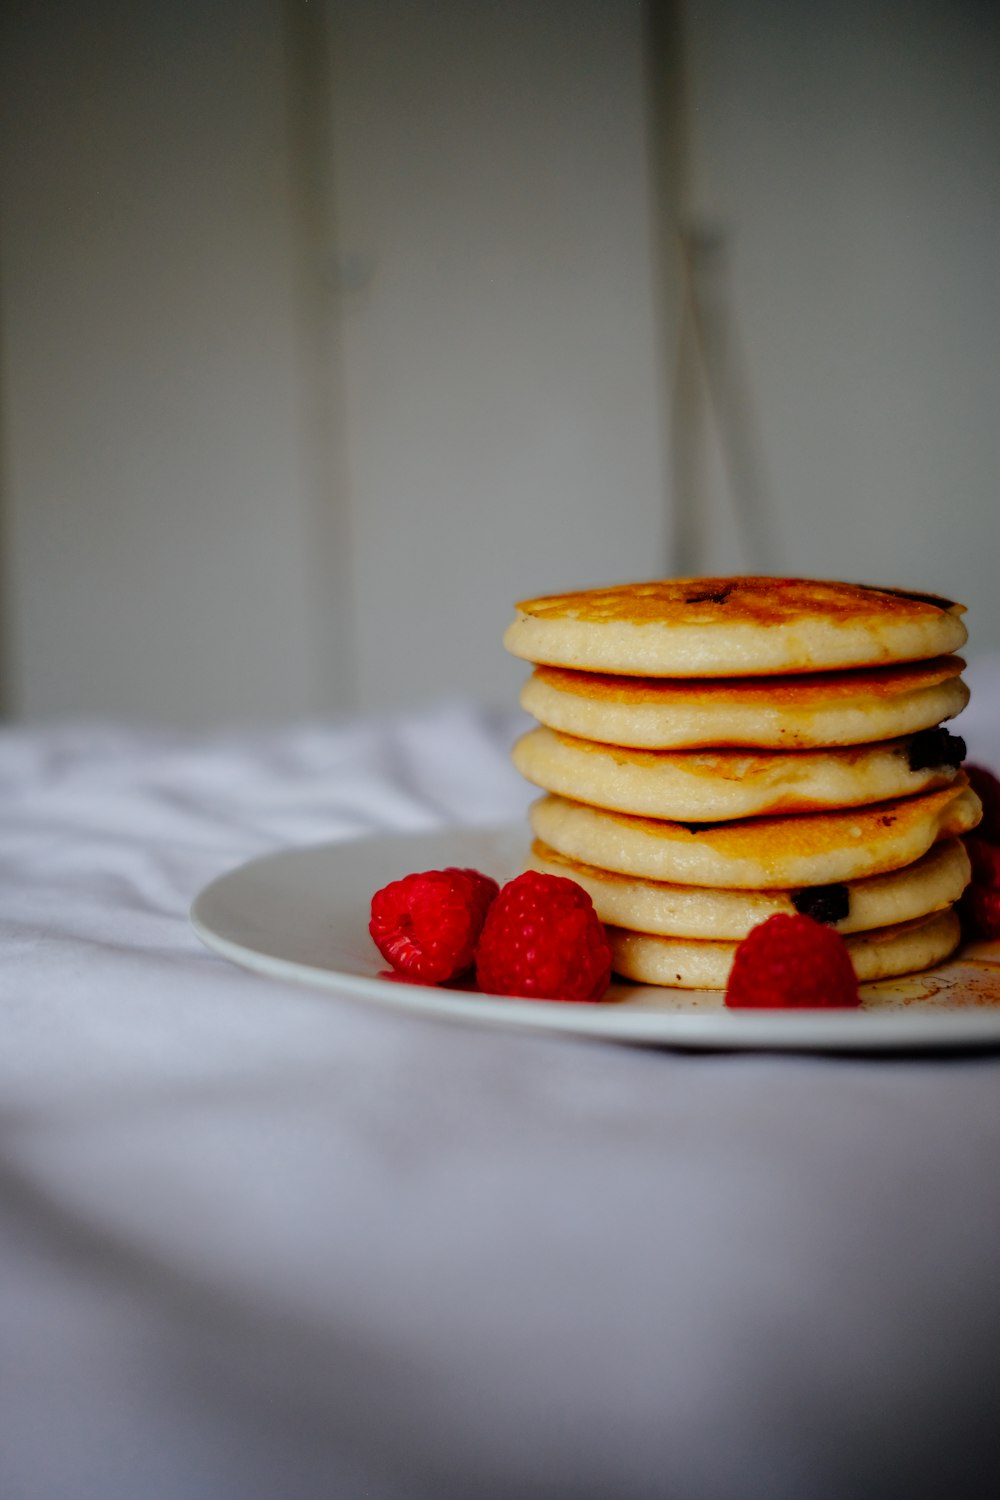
x,y
718,750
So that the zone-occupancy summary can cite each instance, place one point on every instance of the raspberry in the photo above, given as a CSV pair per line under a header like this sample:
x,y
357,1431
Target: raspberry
x,y
985,860
987,789
792,962
979,910
542,939
427,925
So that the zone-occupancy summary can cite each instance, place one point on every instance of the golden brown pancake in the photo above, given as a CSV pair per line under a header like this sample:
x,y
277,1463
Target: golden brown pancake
x,y
930,884
685,964
792,712
715,785
725,627
773,853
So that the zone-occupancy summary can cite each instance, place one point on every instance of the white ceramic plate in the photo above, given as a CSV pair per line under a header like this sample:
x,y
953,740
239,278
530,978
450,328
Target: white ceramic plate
x,y
302,915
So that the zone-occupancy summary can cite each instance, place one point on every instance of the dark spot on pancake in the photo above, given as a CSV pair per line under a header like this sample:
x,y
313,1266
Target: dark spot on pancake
x,y
717,596
887,820
824,903
936,599
933,748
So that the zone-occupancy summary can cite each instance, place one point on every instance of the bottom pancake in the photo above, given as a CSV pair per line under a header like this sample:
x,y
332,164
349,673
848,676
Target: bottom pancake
x,y
709,913
684,963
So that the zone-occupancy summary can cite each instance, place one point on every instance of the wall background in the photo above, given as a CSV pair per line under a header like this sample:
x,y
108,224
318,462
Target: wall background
x,y
851,152
330,330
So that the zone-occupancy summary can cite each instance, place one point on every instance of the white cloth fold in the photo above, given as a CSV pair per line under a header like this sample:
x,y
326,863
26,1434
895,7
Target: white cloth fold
x,y
259,1241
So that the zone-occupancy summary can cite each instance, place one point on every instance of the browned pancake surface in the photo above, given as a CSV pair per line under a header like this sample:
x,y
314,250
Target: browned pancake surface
x,y
793,689
812,833
741,600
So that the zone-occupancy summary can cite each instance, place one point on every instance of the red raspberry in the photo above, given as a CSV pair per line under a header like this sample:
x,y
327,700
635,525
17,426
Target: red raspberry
x,y
427,925
987,789
543,939
985,860
979,910
792,962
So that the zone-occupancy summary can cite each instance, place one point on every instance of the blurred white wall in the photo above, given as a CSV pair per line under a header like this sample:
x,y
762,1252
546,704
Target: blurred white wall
x,y
472,303
328,330
504,395
155,537
850,155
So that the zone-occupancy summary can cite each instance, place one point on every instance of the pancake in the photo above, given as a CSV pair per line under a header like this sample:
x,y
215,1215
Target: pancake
x,y
691,911
685,964
783,713
725,627
774,853
715,785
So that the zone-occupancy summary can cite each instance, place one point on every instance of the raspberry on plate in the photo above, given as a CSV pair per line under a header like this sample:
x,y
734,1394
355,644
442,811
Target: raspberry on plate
x,y
542,939
979,910
987,789
985,859
792,963
427,925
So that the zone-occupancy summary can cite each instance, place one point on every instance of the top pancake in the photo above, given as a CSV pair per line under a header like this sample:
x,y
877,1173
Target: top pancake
x,y
722,627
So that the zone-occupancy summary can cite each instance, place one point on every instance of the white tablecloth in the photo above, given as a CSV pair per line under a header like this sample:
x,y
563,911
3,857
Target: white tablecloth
x,y
260,1241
